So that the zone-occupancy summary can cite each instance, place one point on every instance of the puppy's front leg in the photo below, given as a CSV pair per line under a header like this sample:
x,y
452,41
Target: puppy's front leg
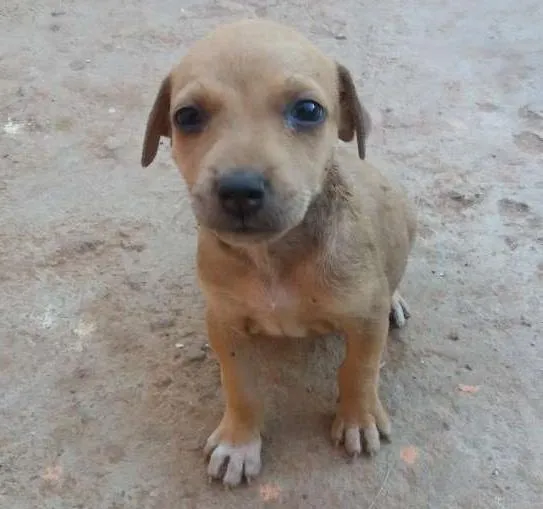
x,y
360,413
234,447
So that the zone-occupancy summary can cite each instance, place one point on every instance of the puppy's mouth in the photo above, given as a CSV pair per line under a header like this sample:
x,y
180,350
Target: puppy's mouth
x,y
267,225
242,230
246,238
242,207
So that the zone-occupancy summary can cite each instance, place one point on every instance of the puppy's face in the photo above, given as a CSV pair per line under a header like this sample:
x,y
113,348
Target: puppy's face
x,y
254,112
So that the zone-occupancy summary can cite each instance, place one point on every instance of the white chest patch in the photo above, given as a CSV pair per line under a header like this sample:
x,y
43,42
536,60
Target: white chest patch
x,y
278,297
277,313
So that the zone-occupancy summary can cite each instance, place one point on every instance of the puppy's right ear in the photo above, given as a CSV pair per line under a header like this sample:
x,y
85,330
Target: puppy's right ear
x,y
158,123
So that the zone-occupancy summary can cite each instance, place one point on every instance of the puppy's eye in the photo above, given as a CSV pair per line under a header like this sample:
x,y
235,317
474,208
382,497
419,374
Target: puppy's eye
x,y
305,113
189,119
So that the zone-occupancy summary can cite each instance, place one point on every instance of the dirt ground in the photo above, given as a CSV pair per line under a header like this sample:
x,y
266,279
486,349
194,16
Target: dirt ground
x,y
107,388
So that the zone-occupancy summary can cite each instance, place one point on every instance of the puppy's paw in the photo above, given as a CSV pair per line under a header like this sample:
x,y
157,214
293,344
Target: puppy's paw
x,y
361,428
232,462
399,311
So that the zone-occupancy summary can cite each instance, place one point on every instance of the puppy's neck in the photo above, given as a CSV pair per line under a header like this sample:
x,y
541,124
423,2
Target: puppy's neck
x,y
328,208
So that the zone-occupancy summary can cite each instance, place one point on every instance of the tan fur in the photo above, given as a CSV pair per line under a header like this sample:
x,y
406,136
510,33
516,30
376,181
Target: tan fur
x,y
338,233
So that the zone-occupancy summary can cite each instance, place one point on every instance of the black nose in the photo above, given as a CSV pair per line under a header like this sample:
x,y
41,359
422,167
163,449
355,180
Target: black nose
x,y
242,192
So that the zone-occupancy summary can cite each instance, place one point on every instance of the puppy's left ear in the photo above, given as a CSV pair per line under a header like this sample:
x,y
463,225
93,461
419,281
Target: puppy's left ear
x,y
158,123
353,117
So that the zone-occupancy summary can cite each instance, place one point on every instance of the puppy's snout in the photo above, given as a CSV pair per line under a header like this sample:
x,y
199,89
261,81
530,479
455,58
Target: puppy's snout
x,y
242,192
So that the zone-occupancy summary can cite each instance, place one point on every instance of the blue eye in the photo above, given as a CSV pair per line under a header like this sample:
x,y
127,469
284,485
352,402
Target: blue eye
x,y
189,119
305,113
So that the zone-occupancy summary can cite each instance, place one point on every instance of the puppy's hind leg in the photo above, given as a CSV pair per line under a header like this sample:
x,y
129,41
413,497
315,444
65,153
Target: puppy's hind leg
x,y
399,311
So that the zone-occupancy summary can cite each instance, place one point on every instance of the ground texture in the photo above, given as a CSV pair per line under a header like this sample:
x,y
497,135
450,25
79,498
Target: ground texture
x,y
107,388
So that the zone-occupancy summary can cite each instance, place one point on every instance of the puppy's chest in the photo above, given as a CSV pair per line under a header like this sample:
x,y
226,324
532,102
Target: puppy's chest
x,y
283,307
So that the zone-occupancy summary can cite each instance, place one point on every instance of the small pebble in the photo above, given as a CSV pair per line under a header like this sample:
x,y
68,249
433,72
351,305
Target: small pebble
x,y
164,381
112,143
164,323
453,336
77,65
524,321
195,354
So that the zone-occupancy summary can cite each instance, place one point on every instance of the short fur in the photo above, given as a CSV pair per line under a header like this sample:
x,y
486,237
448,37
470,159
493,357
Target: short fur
x,y
328,251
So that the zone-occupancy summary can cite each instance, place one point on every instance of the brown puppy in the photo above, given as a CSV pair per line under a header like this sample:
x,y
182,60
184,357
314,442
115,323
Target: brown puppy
x,y
296,237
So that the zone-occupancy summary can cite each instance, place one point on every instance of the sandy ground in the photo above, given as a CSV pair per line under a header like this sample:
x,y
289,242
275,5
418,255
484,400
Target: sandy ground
x,y
107,388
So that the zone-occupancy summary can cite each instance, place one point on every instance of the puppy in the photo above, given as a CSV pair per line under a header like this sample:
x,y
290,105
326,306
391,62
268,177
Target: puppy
x,y
296,237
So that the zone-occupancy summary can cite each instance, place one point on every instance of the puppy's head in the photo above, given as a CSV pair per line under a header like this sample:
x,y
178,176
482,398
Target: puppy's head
x,y
254,112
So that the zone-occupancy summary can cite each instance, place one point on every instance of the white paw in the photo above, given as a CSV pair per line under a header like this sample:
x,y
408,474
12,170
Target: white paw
x,y
233,462
356,438
399,312
361,426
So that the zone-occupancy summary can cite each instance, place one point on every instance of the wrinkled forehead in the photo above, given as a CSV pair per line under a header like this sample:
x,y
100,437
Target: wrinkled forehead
x,y
245,62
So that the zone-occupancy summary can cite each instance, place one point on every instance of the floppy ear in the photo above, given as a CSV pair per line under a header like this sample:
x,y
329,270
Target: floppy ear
x,y
353,118
158,123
